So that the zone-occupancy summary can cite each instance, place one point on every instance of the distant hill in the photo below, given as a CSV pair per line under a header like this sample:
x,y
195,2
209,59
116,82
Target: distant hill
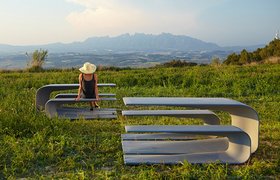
x,y
148,42
128,43
125,42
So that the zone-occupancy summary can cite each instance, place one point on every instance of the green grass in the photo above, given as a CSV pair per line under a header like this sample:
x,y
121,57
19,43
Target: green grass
x,y
33,146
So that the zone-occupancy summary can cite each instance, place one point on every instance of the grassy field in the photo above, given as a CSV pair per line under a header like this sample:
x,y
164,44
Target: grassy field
x,y
33,146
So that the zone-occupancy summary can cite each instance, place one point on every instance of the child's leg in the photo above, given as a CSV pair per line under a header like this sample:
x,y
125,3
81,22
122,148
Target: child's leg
x,y
91,105
95,104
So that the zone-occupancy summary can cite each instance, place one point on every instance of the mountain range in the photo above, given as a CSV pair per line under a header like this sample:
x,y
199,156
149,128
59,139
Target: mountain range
x,y
137,50
126,42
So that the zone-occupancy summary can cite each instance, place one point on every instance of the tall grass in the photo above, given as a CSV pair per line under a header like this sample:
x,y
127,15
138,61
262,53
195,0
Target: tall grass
x,y
37,147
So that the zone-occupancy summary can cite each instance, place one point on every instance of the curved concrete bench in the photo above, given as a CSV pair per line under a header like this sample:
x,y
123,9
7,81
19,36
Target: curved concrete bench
x,y
199,151
242,115
54,108
74,95
43,93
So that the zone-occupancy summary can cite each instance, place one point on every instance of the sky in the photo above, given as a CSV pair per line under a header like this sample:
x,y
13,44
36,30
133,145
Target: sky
x,y
224,22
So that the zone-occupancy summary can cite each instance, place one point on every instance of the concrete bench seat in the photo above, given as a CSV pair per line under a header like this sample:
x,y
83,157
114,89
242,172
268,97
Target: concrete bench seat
x,y
186,129
200,158
159,137
234,149
85,113
207,116
174,146
54,107
43,93
74,95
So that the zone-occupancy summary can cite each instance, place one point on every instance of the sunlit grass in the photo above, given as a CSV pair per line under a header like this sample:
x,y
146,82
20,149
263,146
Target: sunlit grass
x,y
37,147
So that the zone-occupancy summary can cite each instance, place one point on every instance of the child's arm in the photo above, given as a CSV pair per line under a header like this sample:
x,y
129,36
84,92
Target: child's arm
x,y
80,88
95,87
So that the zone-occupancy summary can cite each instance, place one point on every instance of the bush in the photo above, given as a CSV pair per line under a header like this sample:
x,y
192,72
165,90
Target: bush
x,y
37,60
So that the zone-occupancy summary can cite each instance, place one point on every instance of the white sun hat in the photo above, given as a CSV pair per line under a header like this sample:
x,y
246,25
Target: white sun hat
x,y
88,68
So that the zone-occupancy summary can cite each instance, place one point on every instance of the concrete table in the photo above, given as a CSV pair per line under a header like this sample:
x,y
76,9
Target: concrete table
x,y
242,115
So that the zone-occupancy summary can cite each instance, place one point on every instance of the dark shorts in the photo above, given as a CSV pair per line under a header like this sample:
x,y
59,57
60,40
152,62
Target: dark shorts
x,y
92,96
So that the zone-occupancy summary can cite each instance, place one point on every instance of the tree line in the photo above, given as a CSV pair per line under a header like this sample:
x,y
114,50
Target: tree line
x,y
258,56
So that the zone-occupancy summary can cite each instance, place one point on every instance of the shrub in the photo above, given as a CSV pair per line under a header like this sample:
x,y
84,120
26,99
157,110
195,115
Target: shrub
x,y
37,59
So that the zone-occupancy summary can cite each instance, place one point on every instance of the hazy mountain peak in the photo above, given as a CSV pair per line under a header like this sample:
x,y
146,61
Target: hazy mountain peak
x,y
125,42
148,42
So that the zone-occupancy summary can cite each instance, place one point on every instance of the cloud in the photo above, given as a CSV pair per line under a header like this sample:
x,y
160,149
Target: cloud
x,y
114,17
90,4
